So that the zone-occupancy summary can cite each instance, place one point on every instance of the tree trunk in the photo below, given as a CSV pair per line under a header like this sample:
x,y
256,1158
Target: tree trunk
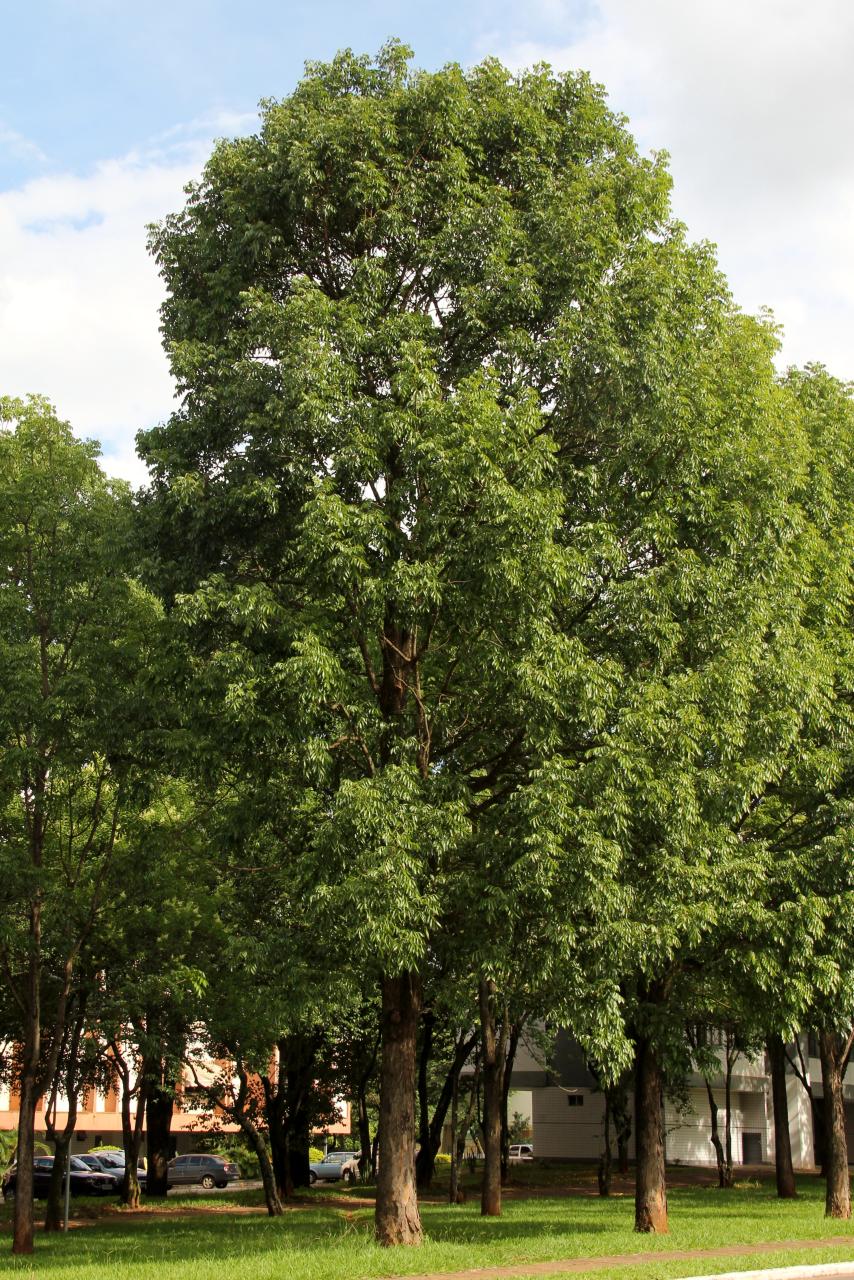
x,y
603,1174
729,1060
132,1140
54,1214
651,1185
507,1069
159,1140
493,1086
366,1163
621,1116
425,1159
784,1170
838,1197
364,1132
716,1136
397,1218
454,1182
22,1229
268,1177
299,1162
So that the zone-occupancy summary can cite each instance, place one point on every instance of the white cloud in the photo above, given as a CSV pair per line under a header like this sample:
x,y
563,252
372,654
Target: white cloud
x,y
15,144
755,103
79,294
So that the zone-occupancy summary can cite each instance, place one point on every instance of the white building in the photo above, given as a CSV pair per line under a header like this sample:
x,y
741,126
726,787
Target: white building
x,y
567,1111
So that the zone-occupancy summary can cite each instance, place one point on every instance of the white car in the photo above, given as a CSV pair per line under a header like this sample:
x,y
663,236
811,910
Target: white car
x,y
336,1166
520,1152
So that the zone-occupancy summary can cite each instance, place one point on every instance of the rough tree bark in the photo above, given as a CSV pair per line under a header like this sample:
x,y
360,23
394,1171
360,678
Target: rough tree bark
x,y
161,1104
397,1217
651,1185
493,1041
783,1167
834,1053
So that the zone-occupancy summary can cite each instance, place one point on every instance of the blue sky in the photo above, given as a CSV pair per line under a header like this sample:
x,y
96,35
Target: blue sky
x,y
107,109
84,79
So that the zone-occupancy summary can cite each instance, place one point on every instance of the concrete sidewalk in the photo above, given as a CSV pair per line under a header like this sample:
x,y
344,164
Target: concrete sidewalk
x,y
577,1266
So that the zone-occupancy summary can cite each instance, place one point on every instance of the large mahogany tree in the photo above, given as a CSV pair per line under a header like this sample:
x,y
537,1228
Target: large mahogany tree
x,y
449,380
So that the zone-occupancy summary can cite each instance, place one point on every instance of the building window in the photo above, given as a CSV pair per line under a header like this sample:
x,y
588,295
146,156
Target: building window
x,y
575,1099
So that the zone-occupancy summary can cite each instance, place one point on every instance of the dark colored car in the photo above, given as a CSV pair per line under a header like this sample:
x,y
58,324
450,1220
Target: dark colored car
x,y
114,1162
203,1171
84,1181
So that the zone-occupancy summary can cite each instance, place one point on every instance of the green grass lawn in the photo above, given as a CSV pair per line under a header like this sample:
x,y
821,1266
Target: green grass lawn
x,y
325,1242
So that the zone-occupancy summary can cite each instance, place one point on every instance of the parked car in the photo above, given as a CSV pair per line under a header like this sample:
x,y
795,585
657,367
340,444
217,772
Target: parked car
x,y
520,1152
114,1162
204,1171
84,1181
336,1166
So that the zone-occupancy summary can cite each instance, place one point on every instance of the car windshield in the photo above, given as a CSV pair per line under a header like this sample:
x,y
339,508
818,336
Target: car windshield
x,y
338,1157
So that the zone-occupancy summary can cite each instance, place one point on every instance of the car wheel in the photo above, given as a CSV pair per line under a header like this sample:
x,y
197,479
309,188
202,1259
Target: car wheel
x,y
347,1176
221,1185
312,1177
208,1182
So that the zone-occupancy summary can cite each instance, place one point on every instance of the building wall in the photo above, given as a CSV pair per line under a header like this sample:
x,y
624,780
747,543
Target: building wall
x,y
688,1133
564,1131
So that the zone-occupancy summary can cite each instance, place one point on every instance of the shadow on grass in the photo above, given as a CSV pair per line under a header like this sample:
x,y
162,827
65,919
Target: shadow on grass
x,y
338,1241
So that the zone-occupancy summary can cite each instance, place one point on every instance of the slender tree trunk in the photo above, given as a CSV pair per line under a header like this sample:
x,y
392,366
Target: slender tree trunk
x,y
55,1210
54,1215
22,1223
603,1175
716,1135
492,1065
22,1228
728,1122
366,1164
651,1186
364,1125
453,1184
161,1104
397,1217
268,1177
784,1170
819,1129
621,1116
425,1159
132,1127
507,1069
838,1197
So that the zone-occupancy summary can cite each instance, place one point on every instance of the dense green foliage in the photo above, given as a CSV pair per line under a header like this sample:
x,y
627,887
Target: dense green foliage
x,y
495,634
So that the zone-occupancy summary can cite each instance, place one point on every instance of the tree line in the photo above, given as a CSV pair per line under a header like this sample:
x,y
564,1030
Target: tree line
x,y
478,656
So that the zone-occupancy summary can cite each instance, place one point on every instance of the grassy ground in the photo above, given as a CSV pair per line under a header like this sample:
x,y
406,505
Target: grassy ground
x,y
200,1237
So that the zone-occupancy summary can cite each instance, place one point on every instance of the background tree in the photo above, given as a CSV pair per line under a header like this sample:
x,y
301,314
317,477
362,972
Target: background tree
x,y
75,634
